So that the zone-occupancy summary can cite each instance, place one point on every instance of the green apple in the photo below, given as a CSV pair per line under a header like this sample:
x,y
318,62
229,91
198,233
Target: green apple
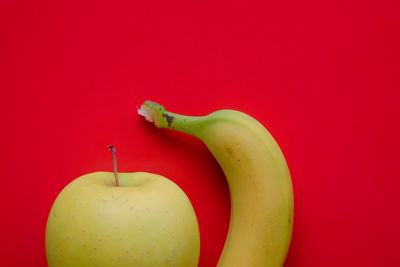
x,y
147,220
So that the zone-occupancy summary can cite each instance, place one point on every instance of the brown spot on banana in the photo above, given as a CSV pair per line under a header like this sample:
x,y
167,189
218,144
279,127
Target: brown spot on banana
x,y
169,119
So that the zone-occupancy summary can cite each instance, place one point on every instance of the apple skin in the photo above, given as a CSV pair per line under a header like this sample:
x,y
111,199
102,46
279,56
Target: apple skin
x,y
146,221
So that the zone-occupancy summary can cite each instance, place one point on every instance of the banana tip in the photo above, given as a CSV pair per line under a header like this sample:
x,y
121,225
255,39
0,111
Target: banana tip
x,y
146,112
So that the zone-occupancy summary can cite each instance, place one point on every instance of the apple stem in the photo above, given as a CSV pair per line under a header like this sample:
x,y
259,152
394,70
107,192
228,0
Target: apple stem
x,y
114,157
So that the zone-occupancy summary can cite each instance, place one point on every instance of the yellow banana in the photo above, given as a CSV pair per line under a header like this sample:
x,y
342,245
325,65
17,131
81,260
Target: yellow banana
x,y
258,178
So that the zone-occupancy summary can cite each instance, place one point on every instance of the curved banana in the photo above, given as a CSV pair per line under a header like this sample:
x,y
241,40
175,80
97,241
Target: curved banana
x,y
258,178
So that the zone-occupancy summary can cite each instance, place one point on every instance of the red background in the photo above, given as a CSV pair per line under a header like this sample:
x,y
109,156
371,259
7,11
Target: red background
x,y
323,77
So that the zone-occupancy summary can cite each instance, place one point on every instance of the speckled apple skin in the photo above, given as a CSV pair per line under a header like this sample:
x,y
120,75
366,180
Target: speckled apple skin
x,y
146,221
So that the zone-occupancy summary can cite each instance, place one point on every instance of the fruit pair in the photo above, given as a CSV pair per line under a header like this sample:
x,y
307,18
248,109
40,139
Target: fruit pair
x,y
261,204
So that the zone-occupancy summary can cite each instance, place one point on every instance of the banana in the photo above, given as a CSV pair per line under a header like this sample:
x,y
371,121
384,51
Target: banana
x,y
259,182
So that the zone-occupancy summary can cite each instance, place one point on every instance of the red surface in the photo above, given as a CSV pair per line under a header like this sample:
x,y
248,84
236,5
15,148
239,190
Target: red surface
x,y
324,78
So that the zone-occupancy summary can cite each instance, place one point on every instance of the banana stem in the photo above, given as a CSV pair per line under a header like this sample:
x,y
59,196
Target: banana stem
x,y
162,118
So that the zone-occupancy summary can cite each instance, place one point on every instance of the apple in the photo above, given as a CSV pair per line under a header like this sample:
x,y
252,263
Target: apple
x,y
122,219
